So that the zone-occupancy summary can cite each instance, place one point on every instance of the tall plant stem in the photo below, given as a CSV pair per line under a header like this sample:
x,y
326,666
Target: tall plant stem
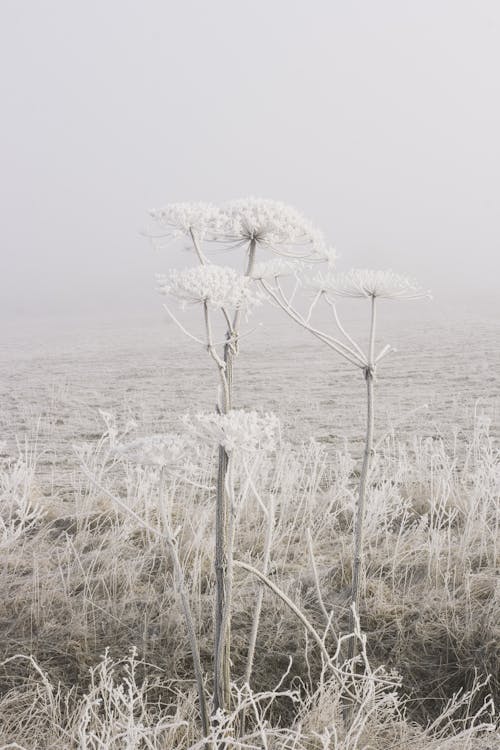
x,y
222,637
369,373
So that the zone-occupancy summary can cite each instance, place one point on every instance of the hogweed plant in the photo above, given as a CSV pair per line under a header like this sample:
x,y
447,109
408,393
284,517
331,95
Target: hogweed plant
x,y
253,225
356,284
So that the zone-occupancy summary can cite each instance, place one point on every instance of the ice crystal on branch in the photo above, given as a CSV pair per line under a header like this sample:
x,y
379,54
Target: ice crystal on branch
x,y
359,283
166,451
238,430
180,219
274,225
219,286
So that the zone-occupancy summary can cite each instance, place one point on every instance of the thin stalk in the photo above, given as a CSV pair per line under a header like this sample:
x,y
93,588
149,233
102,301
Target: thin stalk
x,y
223,523
179,575
342,349
224,652
197,248
260,596
341,328
180,582
220,580
324,612
369,373
303,619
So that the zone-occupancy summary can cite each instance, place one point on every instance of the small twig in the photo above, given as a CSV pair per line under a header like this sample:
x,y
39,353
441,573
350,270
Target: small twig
x,y
184,330
328,617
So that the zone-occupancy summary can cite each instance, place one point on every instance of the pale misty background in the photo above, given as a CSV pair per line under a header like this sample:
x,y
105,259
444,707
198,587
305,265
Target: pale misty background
x,y
379,121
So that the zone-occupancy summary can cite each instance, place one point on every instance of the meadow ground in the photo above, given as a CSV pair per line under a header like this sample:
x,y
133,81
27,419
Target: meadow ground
x,y
94,651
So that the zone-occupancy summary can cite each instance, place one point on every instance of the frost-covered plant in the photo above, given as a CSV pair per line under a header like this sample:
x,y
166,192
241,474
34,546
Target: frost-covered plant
x,y
219,286
189,219
272,225
20,508
164,451
362,284
249,223
238,430
167,453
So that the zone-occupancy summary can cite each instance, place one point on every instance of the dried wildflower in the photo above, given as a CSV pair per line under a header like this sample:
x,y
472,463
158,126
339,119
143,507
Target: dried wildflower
x,y
166,451
273,269
274,225
365,283
219,286
238,430
180,219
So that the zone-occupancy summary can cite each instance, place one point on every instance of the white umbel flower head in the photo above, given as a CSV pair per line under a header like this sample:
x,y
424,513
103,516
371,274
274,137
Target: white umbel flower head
x,y
363,283
274,225
238,430
166,451
218,286
180,219
276,268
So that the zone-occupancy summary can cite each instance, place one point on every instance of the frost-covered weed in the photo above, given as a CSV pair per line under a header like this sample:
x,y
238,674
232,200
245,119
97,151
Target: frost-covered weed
x,y
273,225
165,451
238,430
359,283
218,286
182,219
21,508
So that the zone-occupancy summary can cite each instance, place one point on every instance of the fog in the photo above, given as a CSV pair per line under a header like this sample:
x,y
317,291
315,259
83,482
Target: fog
x,y
379,121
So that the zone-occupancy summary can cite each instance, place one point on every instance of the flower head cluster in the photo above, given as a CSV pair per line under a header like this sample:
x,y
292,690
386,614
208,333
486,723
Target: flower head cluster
x,y
273,269
274,225
218,286
180,219
238,430
364,283
166,451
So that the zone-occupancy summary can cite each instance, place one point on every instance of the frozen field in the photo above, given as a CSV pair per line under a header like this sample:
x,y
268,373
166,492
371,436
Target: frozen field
x,y
54,380
84,577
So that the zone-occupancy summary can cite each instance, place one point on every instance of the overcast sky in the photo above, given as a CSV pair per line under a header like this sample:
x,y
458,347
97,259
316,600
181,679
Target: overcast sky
x,y
379,120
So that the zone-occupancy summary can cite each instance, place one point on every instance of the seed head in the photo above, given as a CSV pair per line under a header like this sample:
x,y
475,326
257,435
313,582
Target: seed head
x,y
362,283
274,225
219,286
238,430
180,219
166,451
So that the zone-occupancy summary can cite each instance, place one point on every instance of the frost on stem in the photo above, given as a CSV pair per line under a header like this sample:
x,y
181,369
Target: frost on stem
x,y
238,430
218,286
364,283
274,225
181,219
